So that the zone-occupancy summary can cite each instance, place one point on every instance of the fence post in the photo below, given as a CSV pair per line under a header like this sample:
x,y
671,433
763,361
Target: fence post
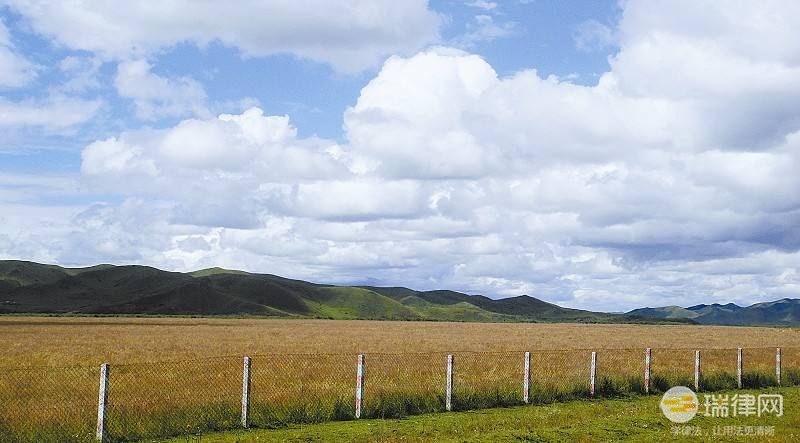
x,y
739,368
696,370
592,372
359,384
449,388
778,365
526,377
246,392
647,371
102,403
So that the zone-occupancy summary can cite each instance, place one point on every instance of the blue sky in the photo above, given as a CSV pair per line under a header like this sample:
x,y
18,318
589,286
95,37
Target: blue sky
x,y
603,155
537,35
540,35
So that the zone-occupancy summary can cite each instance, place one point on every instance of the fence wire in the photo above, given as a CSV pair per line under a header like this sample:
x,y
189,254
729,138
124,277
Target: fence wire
x,y
48,404
559,375
162,399
671,367
487,379
301,388
187,397
397,385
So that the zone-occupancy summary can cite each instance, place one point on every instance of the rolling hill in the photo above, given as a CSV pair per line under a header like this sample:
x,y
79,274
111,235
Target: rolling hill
x,y
27,287
784,312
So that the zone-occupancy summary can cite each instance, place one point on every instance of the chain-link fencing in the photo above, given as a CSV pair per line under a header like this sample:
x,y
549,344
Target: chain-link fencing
x,y
162,399
48,403
147,400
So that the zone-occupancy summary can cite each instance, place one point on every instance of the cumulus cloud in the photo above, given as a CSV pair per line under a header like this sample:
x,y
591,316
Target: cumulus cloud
x,y
670,181
250,145
254,163
350,35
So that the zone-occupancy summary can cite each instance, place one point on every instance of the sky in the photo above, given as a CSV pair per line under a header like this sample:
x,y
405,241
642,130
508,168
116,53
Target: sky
x,y
601,155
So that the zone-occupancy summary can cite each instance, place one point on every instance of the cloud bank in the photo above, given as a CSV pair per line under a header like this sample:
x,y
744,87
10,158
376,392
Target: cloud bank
x,y
673,180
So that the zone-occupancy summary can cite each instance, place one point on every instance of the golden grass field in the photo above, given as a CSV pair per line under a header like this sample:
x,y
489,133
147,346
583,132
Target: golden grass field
x,y
197,385
64,341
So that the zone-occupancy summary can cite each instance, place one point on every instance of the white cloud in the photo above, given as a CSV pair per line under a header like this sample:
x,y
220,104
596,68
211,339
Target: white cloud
x,y
157,97
592,35
250,146
350,35
54,113
82,73
15,70
58,111
445,114
483,28
482,4
671,181
249,160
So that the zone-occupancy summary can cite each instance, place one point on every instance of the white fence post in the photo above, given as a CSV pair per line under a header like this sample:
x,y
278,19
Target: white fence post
x,y
696,370
592,372
246,392
449,388
647,371
739,368
102,403
526,377
359,384
778,365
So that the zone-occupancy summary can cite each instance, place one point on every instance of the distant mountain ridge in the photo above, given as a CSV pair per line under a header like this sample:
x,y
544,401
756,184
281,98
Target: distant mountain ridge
x,y
783,312
27,287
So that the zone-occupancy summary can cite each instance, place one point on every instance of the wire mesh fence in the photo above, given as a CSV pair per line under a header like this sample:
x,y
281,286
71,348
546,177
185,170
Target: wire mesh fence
x,y
559,375
152,400
301,388
671,367
48,403
162,399
487,379
396,385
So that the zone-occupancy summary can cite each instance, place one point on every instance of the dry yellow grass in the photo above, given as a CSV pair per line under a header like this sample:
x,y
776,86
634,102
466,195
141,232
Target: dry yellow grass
x,y
197,390
64,341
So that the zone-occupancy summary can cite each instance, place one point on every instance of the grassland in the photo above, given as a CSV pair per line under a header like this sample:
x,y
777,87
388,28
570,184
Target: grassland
x,y
629,419
303,370
65,341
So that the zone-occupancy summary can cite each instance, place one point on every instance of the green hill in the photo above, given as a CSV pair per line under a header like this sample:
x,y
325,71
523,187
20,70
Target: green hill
x,y
27,287
784,312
